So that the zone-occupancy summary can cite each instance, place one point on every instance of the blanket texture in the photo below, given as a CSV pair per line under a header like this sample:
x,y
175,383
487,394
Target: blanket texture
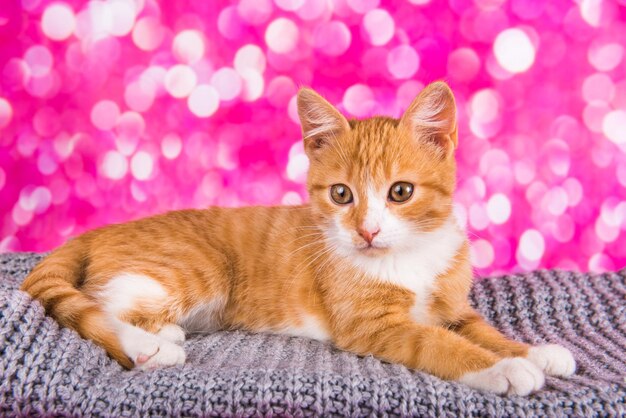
x,y
45,369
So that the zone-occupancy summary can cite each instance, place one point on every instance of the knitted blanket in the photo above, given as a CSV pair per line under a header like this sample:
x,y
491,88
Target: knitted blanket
x,y
45,369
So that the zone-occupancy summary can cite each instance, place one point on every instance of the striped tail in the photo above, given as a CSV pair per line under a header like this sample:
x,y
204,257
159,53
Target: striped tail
x,y
54,282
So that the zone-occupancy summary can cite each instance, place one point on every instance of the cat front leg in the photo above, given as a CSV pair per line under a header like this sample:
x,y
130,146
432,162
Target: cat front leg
x,y
552,359
445,354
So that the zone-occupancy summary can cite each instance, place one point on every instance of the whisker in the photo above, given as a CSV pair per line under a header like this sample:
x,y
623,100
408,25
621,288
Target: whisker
x,y
310,259
302,247
314,234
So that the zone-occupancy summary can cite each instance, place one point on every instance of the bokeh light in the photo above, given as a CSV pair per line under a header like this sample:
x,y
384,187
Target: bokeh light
x,y
6,113
281,35
117,109
514,50
148,33
180,81
58,21
227,83
188,46
204,101
379,26
359,100
403,61
332,38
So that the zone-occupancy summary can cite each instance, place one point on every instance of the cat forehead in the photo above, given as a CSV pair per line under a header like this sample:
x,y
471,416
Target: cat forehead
x,y
374,139
372,153
378,149
375,124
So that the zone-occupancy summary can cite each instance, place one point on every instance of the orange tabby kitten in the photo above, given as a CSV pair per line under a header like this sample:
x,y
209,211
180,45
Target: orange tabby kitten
x,y
375,263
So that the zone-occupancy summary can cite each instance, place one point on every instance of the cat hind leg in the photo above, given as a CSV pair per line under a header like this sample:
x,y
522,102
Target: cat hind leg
x,y
149,351
139,307
172,333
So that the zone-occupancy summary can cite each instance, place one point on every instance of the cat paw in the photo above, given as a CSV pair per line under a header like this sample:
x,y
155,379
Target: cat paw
x,y
553,359
173,333
163,354
513,376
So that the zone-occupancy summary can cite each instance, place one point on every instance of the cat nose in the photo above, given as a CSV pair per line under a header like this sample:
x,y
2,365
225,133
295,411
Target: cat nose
x,y
368,234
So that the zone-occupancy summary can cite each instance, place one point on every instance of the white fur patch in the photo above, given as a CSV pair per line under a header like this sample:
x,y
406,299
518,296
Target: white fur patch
x,y
515,376
310,327
553,359
122,292
204,317
173,333
376,210
168,354
414,266
138,343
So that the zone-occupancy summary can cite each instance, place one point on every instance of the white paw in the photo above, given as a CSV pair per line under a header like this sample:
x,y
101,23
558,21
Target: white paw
x,y
173,333
167,354
514,376
553,359
148,351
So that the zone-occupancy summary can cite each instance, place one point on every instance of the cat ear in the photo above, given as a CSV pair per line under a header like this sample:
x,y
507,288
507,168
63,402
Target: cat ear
x,y
321,122
432,117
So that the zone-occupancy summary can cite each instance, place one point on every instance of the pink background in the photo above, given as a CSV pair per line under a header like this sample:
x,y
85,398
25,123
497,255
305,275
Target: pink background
x,y
114,110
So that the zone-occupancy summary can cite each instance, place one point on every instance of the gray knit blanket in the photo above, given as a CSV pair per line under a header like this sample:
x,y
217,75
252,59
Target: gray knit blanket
x,y
48,370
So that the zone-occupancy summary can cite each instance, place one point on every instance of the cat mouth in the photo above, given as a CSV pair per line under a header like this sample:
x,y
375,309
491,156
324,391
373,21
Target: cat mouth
x,y
372,249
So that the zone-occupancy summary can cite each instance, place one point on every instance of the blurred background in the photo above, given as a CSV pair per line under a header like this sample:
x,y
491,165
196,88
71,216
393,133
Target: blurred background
x,y
114,110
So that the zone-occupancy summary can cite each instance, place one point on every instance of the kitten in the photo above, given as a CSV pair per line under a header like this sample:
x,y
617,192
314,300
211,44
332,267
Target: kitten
x,y
374,264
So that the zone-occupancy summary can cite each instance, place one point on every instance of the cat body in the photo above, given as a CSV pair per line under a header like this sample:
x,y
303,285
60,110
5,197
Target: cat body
x,y
375,264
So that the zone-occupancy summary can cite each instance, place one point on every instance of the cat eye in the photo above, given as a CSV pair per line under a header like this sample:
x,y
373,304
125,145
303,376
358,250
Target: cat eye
x,y
400,192
341,194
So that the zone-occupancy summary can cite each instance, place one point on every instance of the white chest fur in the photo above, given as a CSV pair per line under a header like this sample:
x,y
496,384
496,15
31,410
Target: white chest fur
x,y
417,268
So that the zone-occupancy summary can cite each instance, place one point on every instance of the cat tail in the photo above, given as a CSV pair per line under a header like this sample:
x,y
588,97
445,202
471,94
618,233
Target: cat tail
x,y
55,283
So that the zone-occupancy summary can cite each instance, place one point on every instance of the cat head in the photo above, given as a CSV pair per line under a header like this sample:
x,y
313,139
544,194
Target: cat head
x,y
377,185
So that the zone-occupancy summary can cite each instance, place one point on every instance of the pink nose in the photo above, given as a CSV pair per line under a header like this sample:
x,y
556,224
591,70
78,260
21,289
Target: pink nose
x,y
368,235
